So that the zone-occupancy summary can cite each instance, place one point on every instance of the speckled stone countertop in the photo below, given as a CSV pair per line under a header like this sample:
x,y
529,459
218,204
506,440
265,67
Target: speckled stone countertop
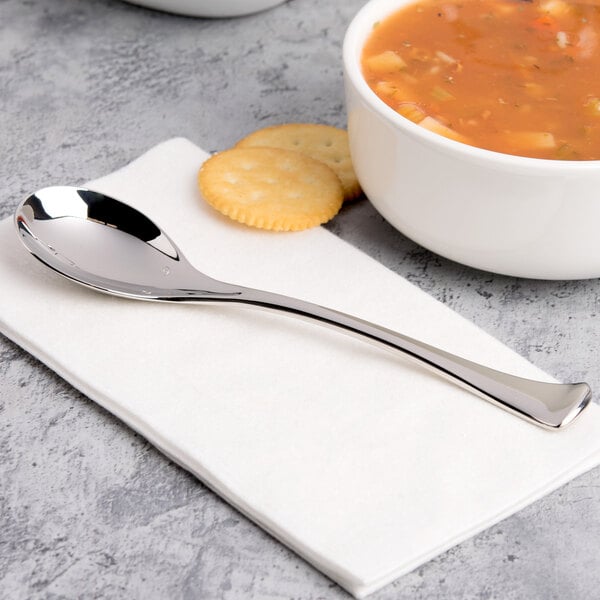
x,y
88,509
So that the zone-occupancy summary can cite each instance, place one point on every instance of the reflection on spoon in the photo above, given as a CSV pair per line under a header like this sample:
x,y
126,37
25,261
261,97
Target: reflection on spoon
x,y
111,247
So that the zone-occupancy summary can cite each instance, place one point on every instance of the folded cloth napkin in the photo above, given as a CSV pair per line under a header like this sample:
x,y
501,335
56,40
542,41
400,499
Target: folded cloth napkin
x,y
363,462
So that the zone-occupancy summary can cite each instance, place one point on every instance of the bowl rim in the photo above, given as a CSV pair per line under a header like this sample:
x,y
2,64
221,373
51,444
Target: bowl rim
x,y
354,40
207,8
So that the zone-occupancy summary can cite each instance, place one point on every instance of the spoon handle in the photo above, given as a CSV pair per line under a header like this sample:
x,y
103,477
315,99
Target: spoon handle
x,y
550,405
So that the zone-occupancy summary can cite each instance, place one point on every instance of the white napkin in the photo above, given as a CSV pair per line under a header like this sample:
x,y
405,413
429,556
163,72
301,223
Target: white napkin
x,y
364,463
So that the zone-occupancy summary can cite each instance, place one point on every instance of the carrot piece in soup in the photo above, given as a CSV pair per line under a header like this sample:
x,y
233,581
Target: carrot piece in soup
x,y
545,23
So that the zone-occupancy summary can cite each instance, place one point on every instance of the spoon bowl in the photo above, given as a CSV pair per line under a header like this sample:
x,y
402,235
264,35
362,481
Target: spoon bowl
x,y
111,247
105,244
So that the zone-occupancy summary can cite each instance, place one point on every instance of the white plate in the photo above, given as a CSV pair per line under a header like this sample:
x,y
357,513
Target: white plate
x,y
209,8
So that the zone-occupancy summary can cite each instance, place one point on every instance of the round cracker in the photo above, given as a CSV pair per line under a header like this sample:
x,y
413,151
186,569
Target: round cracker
x,y
322,142
271,188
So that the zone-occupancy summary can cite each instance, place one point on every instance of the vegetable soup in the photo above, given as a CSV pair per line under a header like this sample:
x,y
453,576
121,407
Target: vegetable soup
x,y
515,76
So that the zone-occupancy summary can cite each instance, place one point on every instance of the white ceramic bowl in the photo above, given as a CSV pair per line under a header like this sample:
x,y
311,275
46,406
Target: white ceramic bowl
x,y
209,8
518,216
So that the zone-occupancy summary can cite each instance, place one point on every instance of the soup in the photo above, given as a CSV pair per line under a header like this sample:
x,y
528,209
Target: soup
x,y
514,76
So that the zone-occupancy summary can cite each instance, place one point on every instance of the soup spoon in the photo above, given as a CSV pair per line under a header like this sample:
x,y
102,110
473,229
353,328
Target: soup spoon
x,y
111,247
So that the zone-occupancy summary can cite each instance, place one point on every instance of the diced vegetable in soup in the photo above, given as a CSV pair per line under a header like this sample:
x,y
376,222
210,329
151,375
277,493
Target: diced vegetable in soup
x,y
515,76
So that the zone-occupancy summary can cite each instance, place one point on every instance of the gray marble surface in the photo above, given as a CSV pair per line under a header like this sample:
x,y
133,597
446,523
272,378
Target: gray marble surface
x,y
88,508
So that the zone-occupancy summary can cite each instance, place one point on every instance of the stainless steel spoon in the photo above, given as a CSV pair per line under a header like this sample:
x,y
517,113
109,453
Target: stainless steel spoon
x,y
111,247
